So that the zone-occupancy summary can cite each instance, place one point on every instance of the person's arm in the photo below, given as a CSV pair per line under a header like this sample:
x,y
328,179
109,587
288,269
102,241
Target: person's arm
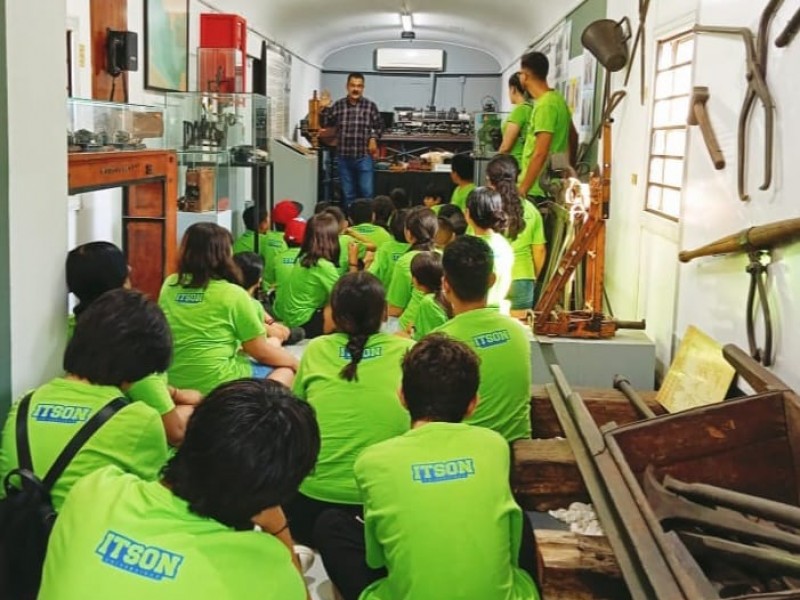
x,y
540,153
258,349
185,397
175,423
361,239
327,114
539,252
376,130
273,521
509,138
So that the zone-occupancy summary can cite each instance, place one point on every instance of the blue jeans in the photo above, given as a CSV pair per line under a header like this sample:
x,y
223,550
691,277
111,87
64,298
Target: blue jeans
x,y
261,371
356,175
521,294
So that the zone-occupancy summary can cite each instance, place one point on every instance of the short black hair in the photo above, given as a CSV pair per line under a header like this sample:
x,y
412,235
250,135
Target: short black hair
x,y
468,264
248,446
121,338
463,165
426,268
252,267
433,190
249,218
355,75
514,82
361,211
383,207
537,63
337,213
440,379
455,215
398,225
93,269
400,198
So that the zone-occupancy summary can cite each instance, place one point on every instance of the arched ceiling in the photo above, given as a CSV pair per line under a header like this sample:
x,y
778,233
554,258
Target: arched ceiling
x,y
313,29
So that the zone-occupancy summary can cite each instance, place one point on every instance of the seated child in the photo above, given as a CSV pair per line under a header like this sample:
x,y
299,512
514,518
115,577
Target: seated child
x,y
383,208
402,297
294,234
191,534
350,377
362,215
499,341
212,317
451,225
121,337
382,265
399,198
95,268
433,198
352,244
300,300
439,517
433,309
270,243
462,174
487,219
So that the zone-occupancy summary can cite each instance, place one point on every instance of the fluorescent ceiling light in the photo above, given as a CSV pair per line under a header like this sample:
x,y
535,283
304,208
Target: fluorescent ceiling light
x,y
405,19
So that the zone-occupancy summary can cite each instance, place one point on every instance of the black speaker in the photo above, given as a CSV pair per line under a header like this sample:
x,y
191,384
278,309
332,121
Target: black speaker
x,y
122,52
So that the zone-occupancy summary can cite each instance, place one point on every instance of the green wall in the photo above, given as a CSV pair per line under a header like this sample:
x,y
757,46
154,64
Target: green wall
x,y
589,11
5,312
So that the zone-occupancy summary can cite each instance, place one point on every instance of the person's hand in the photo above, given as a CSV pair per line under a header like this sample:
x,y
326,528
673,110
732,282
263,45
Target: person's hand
x,y
369,258
324,98
185,397
352,253
278,330
372,147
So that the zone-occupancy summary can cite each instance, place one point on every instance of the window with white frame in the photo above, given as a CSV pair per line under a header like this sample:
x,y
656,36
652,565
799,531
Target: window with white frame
x,y
672,90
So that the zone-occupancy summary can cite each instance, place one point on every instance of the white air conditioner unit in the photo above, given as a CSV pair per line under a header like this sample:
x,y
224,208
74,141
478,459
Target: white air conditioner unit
x,y
409,59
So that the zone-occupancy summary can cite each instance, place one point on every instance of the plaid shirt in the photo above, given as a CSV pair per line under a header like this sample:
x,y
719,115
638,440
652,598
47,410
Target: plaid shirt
x,y
356,123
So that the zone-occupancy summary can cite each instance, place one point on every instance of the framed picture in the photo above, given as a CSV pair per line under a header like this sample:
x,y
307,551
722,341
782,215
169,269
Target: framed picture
x,y
166,45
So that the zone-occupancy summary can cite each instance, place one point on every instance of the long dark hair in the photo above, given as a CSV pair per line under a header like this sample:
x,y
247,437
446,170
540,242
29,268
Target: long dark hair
x,y
426,268
321,241
93,269
421,222
206,254
358,302
502,173
485,208
514,82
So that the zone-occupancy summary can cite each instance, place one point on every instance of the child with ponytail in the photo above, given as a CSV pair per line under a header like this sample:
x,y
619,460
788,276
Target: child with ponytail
x,y
350,377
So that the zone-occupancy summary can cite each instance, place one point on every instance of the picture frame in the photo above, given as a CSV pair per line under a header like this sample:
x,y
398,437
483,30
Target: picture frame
x,y
166,45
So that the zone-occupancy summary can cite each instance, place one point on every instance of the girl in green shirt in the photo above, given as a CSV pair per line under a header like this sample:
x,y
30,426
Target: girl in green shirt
x,y
515,127
433,309
525,233
350,377
420,232
385,258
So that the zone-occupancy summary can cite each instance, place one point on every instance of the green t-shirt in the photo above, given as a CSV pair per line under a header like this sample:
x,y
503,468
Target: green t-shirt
x,y
306,291
503,265
386,258
439,515
520,116
284,263
133,439
208,327
430,315
375,233
270,244
459,197
504,395
400,290
409,315
123,538
550,115
352,415
344,250
436,208
531,235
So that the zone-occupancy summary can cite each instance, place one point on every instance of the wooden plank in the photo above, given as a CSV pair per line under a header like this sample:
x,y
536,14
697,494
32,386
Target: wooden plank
x,y
792,407
605,406
106,14
145,253
545,476
577,567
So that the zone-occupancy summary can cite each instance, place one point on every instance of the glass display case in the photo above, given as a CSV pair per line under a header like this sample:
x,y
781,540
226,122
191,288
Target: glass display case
x,y
97,126
222,144
488,134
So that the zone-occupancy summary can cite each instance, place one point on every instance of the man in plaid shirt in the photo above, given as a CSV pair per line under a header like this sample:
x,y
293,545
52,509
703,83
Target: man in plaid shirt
x,y
359,126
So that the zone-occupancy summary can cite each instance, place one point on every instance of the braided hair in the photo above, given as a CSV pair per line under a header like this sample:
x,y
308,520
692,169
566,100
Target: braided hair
x,y
502,172
358,303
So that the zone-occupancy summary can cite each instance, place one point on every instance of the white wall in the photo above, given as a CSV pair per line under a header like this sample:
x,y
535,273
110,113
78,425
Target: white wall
x,y
713,291
37,189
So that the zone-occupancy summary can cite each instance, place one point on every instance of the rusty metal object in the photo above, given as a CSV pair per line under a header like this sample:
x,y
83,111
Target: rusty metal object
x,y
790,31
624,386
748,556
745,503
757,269
639,40
698,115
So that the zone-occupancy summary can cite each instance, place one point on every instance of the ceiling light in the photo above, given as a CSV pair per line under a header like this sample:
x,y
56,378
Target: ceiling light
x,y
405,20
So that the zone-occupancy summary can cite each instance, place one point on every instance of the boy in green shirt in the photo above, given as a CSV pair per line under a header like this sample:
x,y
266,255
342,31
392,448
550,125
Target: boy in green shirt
x,y
362,215
434,197
270,243
294,235
432,498
462,174
382,265
500,341
191,535
122,337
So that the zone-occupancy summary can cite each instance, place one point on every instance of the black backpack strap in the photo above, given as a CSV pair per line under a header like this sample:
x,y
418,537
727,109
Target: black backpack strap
x,y
80,438
23,447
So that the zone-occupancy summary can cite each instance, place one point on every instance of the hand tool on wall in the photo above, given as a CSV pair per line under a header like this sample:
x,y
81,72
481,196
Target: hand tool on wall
x,y
789,32
698,115
639,40
757,242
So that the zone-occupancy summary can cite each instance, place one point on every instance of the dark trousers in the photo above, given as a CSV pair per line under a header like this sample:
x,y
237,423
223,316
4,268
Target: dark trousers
x,y
303,513
339,537
313,327
357,178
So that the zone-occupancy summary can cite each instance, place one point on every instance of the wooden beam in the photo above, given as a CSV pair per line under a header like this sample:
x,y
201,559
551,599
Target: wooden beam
x,y
545,475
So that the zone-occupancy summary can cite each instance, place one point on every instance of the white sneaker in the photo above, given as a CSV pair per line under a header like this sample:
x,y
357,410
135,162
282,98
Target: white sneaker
x,y
305,555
